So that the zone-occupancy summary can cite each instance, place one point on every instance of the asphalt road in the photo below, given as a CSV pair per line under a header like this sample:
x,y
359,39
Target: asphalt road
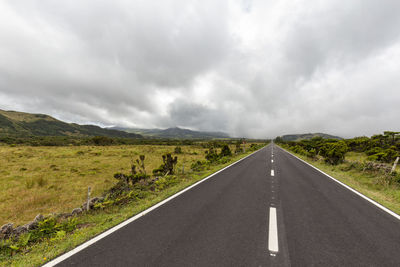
x,y
229,220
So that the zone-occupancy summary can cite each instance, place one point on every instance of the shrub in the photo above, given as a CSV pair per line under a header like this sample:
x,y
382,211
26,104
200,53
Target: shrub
x,y
390,154
165,182
102,140
225,151
211,155
178,150
168,166
376,157
198,166
334,153
384,155
140,164
300,150
223,160
374,150
312,153
254,147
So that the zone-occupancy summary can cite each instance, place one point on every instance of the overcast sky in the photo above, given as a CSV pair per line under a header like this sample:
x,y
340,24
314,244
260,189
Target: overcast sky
x,y
249,68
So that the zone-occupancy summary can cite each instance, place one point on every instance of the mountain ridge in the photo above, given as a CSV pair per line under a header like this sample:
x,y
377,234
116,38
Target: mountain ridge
x,y
298,137
23,124
174,133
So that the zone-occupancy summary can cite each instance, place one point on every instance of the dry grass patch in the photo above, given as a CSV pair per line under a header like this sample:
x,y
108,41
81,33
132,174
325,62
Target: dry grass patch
x,y
55,179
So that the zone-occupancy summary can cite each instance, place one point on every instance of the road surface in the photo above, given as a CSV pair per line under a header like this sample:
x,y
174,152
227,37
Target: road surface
x,y
269,209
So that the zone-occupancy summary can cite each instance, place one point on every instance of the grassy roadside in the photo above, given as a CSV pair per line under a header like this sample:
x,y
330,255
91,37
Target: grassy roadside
x,y
370,183
97,221
43,180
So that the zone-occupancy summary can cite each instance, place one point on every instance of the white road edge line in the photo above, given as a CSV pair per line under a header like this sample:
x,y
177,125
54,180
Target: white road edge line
x,y
272,173
134,218
273,245
397,216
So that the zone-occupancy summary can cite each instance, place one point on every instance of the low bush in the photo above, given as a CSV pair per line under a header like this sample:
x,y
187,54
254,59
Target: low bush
x,y
168,166
178,150
48,228
334,153
225,151
198,165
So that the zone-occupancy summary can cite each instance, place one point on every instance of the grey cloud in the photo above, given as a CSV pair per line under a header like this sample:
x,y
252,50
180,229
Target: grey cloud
x,y
184,113
251,68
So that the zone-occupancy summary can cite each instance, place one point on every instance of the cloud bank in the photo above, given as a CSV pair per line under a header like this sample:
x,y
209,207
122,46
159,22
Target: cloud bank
x,y
250,68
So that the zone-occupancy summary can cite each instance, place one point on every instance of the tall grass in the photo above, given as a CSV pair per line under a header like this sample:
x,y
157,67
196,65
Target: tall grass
x,y
55,179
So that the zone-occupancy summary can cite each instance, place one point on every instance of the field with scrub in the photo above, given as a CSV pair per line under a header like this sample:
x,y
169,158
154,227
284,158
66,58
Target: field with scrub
x,y
54,180
44,180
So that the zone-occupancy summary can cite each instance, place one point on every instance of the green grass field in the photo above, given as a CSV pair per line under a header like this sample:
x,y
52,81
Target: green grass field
x,y
55,179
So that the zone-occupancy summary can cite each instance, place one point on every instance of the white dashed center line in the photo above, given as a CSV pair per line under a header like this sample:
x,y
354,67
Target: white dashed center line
x,y
273,246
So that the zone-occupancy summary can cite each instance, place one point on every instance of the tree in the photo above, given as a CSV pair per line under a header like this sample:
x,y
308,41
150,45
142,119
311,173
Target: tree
x,y
392,135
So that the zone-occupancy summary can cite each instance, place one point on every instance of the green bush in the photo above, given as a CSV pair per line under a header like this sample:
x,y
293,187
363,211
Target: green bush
x,y
312,153
165,182
50,227
178,150
168,166
223,160
334,153
298,149
390,154
374,150
198,165
102,140
211,155
225,151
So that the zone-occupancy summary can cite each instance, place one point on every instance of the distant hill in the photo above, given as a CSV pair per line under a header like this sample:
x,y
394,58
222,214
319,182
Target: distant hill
x,y
175,133
21,124
298,137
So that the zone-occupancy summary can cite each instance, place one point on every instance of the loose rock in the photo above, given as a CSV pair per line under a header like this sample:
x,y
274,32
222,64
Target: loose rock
x,y
39,218
6,229
76,211
20,230
64,215
92,202
31,225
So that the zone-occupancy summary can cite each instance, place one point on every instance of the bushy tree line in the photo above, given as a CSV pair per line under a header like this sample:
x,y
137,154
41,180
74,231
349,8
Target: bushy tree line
x,y
84,141
382,147
105,141
333,151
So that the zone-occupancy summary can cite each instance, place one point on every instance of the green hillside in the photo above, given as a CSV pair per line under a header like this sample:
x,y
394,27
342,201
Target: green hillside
x,y
298,137
175,133
21,124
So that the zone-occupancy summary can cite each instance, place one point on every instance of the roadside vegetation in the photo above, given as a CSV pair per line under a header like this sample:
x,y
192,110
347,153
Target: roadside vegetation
x,y
124,180
363,163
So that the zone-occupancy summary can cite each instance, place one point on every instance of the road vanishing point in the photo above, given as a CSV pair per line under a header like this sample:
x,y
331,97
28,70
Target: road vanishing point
x,y
269,209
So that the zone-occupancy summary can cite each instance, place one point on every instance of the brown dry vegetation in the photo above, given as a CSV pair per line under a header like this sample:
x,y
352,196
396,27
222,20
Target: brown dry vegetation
x,y
55,179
